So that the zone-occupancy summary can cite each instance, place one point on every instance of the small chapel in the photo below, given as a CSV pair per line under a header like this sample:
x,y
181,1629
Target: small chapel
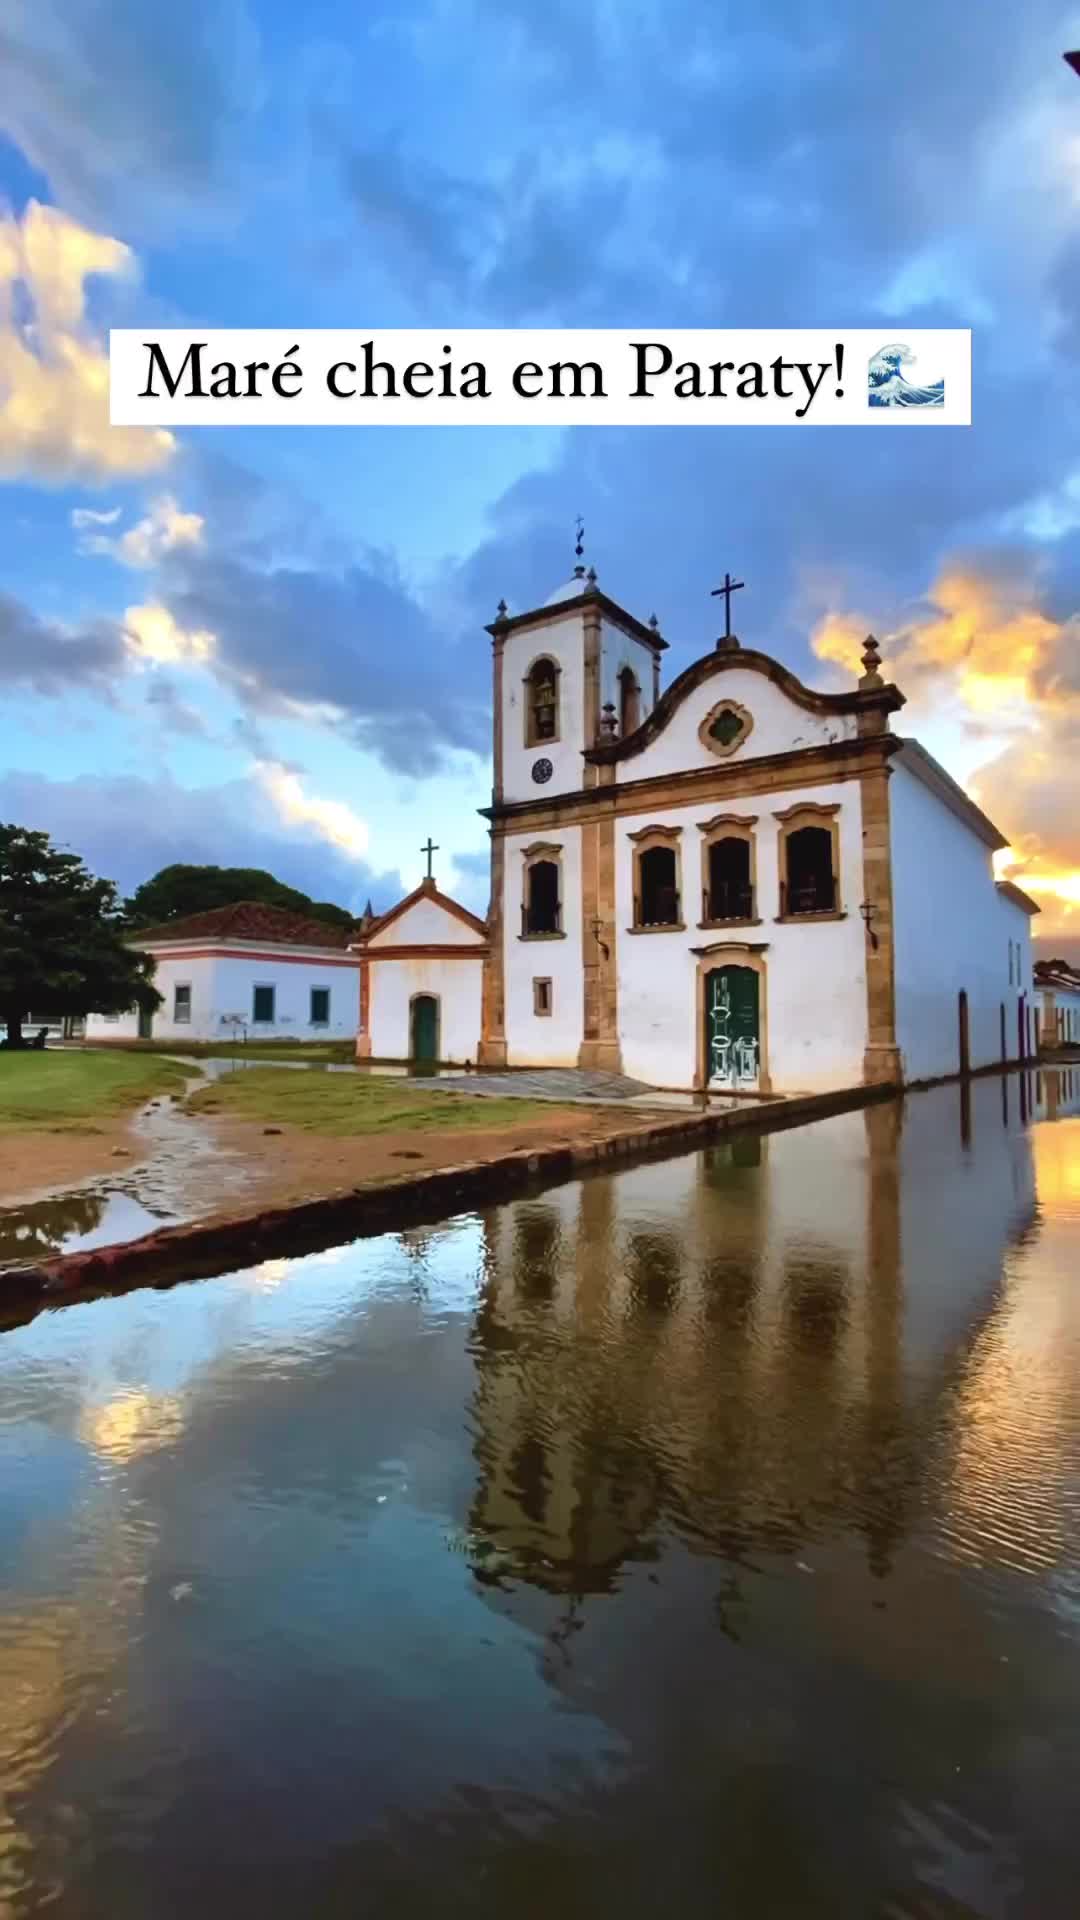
x,y
735,883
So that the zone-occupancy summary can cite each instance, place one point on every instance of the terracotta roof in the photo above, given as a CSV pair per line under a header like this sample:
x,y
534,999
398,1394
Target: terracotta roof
x,y
1057,973
248,920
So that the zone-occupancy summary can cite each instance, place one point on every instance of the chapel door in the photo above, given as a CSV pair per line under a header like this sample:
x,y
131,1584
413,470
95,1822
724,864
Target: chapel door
x,y
146,1024
732,1027
425,1023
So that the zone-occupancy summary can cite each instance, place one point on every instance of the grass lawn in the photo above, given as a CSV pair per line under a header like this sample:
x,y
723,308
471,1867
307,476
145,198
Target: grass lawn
x,y
343,1105
68,1091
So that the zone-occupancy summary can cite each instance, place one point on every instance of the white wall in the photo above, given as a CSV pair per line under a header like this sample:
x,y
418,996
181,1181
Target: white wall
x,y
815,971
1059,1016
456,985
780,726
223,985
952,932
544,1039
564,642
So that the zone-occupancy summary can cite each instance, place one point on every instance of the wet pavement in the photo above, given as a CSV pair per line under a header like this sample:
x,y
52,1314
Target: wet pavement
x,y
703,1537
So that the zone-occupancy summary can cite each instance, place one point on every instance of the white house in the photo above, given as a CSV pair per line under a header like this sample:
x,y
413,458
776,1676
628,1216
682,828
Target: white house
x,y
1057,987
739,882
245,970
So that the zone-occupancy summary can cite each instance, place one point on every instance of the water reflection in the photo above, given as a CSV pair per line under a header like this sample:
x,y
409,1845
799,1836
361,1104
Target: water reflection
x,y
90,1218
706,1532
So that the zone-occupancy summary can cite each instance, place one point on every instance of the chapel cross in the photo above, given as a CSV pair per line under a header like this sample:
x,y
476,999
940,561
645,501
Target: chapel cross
x,y
429,850
729,587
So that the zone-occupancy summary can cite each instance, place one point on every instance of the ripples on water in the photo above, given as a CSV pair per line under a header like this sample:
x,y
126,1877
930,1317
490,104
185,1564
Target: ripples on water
x,y
703,1535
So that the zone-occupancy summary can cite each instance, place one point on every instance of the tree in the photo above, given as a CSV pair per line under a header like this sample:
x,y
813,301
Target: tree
x,y
179,890
62,937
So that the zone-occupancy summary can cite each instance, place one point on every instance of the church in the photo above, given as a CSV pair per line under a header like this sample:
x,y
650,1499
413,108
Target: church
x,y
734,883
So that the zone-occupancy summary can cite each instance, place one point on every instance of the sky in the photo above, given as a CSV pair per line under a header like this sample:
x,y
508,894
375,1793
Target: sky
x,y
266,646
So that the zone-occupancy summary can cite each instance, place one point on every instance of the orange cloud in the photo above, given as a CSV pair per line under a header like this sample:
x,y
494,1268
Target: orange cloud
x,y
982,648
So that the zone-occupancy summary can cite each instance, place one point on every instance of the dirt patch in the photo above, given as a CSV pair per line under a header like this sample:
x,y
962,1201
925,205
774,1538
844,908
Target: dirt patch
x,y
32,1164
293,1165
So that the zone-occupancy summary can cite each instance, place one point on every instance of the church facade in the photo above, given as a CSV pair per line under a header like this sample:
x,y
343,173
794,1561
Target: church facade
x,y
738,882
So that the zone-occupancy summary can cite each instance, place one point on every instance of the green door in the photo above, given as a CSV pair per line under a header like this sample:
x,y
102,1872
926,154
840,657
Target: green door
x,y
146,1025
425,1027
732,1027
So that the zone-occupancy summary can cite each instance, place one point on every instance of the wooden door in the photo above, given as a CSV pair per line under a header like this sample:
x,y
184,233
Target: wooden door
x,y
425,1028
732,1027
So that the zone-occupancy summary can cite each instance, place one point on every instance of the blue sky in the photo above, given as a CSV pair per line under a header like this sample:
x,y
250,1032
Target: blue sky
x,y
267,647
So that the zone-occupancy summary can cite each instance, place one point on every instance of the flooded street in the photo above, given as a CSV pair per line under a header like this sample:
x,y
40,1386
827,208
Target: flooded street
x,y
703,1537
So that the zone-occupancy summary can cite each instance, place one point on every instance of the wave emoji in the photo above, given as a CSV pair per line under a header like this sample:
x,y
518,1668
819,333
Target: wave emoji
x,y
888,387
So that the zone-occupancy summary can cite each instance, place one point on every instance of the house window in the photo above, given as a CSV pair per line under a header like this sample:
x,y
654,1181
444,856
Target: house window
x,y
541,893
262,1006
541,702
809,862
542,997
727,876
657,899
182,1005
629,702
320,1006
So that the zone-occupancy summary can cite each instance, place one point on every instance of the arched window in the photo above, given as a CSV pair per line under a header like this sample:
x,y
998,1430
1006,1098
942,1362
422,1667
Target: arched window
x,y
809,862
541,703
541,893
657,899
727,869
629,702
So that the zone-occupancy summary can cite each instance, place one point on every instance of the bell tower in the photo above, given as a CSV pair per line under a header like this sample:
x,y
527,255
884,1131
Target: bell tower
x,y
568,674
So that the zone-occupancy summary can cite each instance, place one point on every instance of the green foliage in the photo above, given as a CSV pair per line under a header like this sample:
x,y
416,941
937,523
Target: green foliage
x,y
343,1105
62,937
180,889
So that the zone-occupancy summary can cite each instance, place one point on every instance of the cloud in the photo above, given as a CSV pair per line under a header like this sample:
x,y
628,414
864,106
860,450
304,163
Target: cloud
x,y
54,373
128,105
332,820
350,647
162,529
128,828
151,633
52,659
981,645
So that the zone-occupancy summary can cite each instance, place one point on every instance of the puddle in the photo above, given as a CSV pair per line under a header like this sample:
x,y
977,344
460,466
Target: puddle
x,y
70,1222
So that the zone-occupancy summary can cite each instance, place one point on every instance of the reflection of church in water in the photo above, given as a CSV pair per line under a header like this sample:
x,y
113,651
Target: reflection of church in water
x,y
736,1349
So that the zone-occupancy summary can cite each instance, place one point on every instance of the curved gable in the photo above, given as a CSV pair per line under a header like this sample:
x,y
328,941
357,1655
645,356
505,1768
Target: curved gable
x,y
736,704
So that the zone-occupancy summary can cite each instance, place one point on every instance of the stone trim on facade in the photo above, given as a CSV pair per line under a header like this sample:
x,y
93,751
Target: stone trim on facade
x,y
736,780
877,700
809,813
882,1065
732,953
746,727
491,1051
600,1048
729,826
530,737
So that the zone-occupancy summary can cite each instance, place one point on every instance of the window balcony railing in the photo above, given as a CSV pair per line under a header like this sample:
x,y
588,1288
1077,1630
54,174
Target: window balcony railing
x,y
541,919
657,909
807,896
729,901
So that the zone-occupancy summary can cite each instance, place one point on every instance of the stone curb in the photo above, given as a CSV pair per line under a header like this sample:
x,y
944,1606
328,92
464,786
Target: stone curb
x,y
201,1249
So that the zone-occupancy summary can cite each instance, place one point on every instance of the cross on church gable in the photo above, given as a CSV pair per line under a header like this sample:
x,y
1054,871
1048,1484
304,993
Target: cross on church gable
x,y
430,848
729,587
